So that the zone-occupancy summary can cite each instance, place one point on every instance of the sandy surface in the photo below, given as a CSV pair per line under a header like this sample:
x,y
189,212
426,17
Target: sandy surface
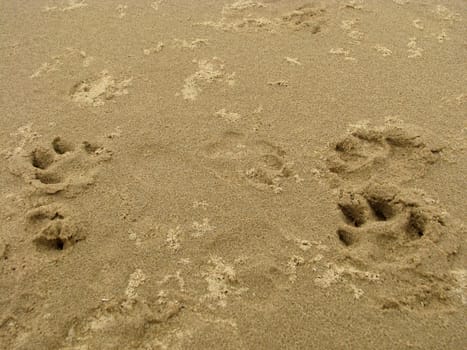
x,y
212,174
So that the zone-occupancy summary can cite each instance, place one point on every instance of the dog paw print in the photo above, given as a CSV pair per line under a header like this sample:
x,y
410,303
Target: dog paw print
x,y
261,162
379,215
53,229
385,225
269,170
405,237
396,151
62,164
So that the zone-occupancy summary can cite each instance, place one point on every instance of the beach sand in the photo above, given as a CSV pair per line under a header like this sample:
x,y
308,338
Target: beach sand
x,y
283,174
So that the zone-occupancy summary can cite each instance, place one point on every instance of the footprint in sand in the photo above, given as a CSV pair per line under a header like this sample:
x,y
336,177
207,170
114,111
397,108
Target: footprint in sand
x,y
380,212
53,228
260,162
401,234
404,236
394,151
58,166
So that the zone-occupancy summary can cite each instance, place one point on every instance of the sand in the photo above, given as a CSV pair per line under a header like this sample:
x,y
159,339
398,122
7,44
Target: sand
x,y
238,174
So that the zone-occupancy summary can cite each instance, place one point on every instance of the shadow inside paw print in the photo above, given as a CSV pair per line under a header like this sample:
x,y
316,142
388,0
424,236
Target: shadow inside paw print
x,y
62,164
53,229
378,214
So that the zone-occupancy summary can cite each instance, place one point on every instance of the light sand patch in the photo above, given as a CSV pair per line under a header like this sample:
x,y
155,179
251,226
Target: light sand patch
x,y
173,238
201,228
222,282
194,44
340,51
133,236
417,23
292,265
241,5
136,279
384,51
303,244
156,4
67,6
349,24
22,137
258,110
461,278
47,67
356,35
228,116
357,292
335,274
458,99
293,61
329,277
87,60
446,14
413,49
59,60
75,4
158,48
96,91
209,71
121,10
200,205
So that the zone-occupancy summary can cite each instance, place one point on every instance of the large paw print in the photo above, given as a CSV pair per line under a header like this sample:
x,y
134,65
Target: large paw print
x,y
384,225
397,152
59,166
404,239
377,213
53,229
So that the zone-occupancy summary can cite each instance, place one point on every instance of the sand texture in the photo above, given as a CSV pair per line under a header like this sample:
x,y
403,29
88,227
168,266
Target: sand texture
x,y
233,174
